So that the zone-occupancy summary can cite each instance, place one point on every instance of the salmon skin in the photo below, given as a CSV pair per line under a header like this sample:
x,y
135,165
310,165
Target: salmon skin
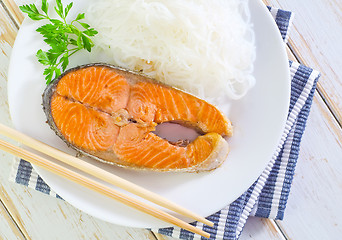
x,y
109,114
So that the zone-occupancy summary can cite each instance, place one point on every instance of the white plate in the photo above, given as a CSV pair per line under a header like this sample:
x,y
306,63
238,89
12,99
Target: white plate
x,y
259,119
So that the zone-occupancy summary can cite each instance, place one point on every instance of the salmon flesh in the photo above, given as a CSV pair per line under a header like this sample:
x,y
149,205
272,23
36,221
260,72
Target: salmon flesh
x,y
109,113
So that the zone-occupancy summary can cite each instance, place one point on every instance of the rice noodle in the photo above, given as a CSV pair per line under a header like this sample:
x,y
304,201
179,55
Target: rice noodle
x,y
203,47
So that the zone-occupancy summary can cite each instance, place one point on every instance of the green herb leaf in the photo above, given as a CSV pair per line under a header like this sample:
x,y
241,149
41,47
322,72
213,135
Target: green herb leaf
x,y
48,72
59,12
73,42
32,12
85,25
67,9
65,61
36,17
64,38
75,31
80,16
90,32
57,22
47,30
57,72
45,6
27,9
43,57
59,8
86,43
79,42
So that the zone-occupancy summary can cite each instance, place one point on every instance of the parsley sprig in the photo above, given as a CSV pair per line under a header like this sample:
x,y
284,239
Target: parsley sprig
x,y
64,39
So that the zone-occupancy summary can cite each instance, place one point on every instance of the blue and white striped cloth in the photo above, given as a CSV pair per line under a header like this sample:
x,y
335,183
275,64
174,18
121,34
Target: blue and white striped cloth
x,y
267,197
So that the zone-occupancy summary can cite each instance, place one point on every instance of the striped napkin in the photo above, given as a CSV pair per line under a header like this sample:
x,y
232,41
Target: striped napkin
x,y
268,195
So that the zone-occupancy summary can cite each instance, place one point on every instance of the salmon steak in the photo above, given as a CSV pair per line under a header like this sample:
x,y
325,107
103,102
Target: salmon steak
x,y
110,114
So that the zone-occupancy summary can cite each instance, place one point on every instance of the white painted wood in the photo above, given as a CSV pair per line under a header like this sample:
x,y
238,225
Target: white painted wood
x,y
314,209
44,217
8,229
260,229
316,38
14,11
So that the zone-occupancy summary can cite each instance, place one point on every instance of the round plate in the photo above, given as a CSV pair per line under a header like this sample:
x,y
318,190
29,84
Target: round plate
x,y
258,118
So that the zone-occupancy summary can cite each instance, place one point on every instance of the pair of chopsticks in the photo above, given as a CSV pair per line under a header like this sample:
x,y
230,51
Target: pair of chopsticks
x,y
100,174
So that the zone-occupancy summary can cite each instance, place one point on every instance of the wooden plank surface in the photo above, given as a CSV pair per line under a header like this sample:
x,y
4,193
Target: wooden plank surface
x,y
313,210
314,206
316,41
13,11
8,228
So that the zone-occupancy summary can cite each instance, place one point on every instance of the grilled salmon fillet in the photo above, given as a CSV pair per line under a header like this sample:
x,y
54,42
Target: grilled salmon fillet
x,y
109,113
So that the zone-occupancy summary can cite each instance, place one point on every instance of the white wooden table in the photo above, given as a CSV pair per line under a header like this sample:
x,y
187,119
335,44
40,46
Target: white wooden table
x,y
314,209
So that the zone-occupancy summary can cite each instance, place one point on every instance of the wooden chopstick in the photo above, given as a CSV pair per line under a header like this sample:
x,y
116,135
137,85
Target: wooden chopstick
x,y
98,187
99,173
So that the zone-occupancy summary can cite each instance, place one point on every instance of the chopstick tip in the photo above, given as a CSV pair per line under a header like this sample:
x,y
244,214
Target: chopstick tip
x,y
205,234
209,223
